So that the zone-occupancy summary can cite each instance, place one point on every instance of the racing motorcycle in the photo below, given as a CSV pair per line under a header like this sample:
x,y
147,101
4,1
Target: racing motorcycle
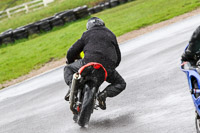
x,y
192,72
84,91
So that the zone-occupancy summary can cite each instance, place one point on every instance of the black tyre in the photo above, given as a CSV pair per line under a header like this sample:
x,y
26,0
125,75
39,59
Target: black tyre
x,y
0,41
75,118
114,3
197,122
56,21
123,1
7,37
87,106
98,8
106,5
81,12
91,10
44,24
67,16
20,33
32,29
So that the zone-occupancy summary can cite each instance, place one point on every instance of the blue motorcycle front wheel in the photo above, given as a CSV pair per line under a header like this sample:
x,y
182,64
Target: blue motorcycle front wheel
x,y
197,122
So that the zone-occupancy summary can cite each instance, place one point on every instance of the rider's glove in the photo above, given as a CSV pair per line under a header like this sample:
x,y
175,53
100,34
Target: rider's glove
x,y
183,57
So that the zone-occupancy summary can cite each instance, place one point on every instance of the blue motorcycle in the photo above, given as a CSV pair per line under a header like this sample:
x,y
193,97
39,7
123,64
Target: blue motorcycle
x,y
193,76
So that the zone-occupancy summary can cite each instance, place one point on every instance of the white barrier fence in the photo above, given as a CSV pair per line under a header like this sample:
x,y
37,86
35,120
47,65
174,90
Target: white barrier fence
x,y
26,7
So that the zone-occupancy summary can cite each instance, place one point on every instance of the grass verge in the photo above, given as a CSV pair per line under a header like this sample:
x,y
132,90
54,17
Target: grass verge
x,y
18,20
25,55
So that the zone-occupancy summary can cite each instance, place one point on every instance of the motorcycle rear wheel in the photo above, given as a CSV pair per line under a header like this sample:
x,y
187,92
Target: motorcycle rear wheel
x,y
87,106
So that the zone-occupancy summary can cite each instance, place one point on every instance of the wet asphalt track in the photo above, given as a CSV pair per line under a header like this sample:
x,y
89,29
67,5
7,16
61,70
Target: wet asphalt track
x,y
156,100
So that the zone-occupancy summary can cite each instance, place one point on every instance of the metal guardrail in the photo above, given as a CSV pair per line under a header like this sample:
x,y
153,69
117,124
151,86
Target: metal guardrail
x,y
26,7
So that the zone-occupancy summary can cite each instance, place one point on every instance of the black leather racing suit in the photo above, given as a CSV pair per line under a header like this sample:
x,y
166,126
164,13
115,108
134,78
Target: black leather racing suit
x,y
99,44
192,52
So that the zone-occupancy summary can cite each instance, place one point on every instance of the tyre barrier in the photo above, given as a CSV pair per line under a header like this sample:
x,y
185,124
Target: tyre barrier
x,y
123,1
58,19
81,12
20,33
32,29
98,8
7,37
44,24
91,10
114,3
106,5
67,16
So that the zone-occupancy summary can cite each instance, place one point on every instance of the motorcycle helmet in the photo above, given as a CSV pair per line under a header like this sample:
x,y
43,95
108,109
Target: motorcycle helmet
x,y
94,22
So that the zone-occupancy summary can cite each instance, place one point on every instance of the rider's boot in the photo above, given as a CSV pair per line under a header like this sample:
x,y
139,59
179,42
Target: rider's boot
x,y
68,93
75,117
102,100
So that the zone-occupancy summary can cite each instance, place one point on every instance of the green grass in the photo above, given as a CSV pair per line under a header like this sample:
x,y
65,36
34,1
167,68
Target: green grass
x,y
18,20
11,3
25,55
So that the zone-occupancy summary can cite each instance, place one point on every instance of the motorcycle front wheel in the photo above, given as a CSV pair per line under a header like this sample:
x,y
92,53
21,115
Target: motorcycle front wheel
x,y
197,122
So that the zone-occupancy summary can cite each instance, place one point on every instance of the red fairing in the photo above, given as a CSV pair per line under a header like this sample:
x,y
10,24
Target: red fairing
x,y
95,66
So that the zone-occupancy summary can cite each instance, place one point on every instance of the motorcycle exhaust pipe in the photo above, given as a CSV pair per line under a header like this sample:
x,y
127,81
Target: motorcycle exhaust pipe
x,y
74,88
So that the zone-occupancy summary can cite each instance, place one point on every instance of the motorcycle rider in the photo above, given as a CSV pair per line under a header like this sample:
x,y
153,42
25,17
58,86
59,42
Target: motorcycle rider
x,y
192,55
99,45
192,52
